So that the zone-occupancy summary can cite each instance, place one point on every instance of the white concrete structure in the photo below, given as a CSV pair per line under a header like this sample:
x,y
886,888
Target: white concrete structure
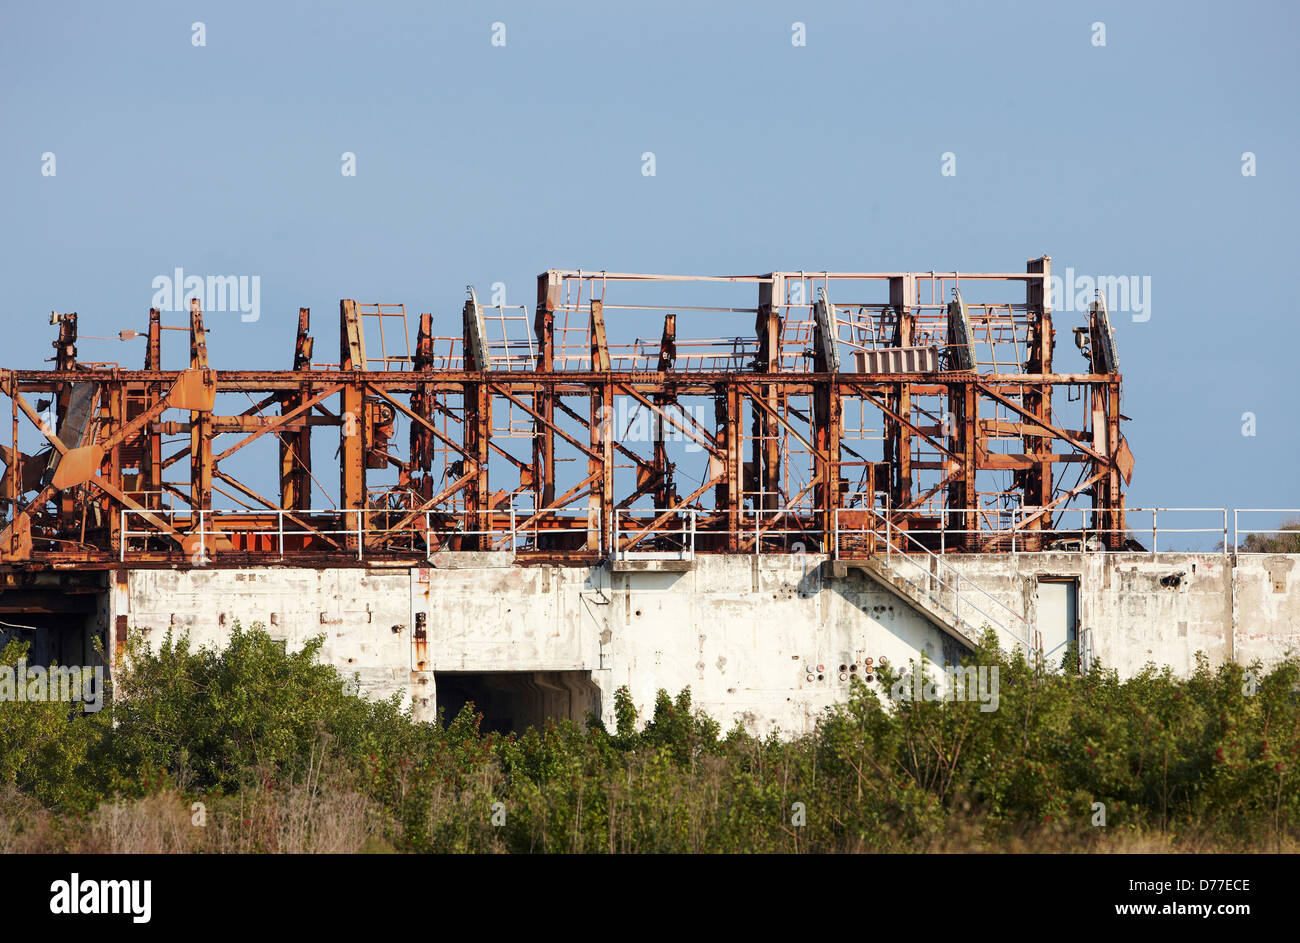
x,y
746,633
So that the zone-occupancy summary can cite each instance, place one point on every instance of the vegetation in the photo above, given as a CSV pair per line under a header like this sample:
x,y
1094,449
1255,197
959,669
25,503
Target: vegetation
x,y
256,749
1288,542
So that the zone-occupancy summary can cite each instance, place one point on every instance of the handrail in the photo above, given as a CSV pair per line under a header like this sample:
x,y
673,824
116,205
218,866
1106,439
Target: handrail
x,y
686,534
1237,530
1027,633
1017,514
208,520
762,530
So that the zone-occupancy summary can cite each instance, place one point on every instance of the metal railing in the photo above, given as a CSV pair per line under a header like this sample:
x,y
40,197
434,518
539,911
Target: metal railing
x,y
964,599
512,530
1094,538
1241,534
1072,529
765,531
205,527
632,541
782,531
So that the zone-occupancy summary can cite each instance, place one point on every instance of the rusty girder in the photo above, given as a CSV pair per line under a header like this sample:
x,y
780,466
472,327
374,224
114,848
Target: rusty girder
x,y
746,441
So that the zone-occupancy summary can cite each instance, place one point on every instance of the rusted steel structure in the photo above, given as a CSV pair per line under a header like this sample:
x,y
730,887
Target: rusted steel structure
x,y
600,427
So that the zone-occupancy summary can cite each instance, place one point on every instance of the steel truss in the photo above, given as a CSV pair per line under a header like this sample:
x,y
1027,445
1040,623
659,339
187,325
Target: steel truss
x,y
939,412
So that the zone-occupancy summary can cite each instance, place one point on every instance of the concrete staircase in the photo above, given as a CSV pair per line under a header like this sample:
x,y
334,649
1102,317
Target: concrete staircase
x,y
930,585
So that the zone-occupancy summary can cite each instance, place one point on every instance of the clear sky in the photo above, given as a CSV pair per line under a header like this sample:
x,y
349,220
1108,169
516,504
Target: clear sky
x,y
478,163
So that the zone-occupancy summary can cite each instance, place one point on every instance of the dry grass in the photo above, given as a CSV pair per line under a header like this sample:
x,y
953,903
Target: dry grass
x,y
307,820
25,827
292,821
298,820
303,820
154,825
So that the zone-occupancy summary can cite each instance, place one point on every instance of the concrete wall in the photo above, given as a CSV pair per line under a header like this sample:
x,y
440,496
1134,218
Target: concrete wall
x,y
744,632
365,615
1162,608
741,631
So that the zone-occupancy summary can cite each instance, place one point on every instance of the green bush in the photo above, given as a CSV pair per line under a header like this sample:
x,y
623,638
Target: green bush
x,y
1206,761
44,746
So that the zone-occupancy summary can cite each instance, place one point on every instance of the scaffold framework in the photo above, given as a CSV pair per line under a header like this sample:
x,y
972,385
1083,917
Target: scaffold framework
x,y
602,426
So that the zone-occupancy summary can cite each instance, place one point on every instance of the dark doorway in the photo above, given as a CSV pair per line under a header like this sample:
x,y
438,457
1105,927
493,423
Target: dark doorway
x,y
512,701
57,629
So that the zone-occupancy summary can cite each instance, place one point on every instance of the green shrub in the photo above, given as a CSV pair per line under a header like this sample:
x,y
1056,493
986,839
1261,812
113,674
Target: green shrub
x,y
1205,761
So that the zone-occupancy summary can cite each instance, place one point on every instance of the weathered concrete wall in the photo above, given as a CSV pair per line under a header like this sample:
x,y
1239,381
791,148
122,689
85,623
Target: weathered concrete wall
x,y
1266,600
1162,608
365,615
743,632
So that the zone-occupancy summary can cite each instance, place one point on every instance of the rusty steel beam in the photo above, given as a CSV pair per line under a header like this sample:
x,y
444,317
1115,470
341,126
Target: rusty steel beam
x,y
200,422
769,462
1036,477
295,444
898,427
352,445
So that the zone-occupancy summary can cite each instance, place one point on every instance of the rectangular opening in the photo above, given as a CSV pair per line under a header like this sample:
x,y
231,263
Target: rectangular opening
x,y
1058,616
513,701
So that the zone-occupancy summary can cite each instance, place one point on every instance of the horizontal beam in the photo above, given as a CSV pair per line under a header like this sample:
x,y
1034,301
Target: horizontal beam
x,y
241,381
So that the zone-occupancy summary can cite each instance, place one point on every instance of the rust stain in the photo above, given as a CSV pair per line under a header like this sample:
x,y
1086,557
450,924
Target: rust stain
x,y
420,639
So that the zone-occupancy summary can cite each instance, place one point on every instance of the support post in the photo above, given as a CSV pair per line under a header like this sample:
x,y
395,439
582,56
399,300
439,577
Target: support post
x,y
898,437
548,300
200,422
352,357
295,445
766,431
1037,479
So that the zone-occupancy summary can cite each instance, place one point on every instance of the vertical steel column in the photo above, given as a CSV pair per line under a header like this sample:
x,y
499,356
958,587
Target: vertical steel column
x,y
65,361
663,486
151,452
963,407
114,415
548,300
478,431
827,429
898,437
600,501
295,446
1037,399
766,430
1108,495
730,400
423,402
352,357
828,418
200,422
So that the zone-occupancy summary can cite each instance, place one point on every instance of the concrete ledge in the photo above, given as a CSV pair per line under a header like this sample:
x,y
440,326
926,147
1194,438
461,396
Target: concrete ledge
x,y
835,569
652,566
471,560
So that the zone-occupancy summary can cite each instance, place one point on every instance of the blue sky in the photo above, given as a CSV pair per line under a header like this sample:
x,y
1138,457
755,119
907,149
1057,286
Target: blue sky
x,y
478,164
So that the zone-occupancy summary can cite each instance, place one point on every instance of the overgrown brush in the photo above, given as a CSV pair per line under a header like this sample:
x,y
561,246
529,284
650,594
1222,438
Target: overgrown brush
x,y
252,749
